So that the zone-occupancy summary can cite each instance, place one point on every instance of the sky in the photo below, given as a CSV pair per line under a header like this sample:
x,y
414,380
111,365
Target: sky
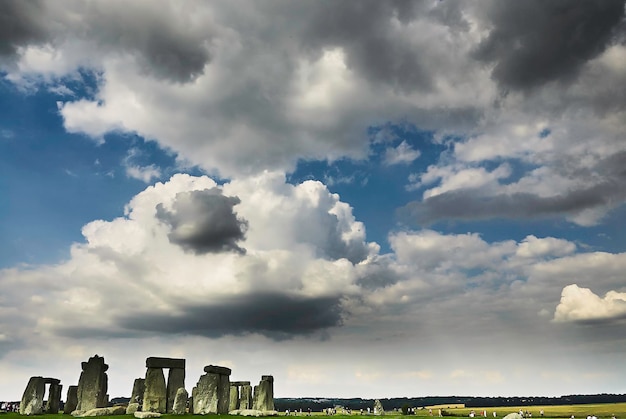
x,y
361,198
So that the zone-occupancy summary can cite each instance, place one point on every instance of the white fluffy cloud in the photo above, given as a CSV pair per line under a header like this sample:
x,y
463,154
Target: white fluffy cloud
x,y
582,305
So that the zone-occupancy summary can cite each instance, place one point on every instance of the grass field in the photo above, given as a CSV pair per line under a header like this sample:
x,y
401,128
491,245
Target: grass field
x,y
601,411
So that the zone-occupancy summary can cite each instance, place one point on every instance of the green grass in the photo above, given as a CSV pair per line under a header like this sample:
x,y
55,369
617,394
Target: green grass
x,y
580,411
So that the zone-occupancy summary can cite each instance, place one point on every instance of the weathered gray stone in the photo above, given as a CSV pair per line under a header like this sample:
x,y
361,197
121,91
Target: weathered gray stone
x,y
132,408
146,415
378,408
77,413
245,397
215,369
71,400
513,415
155,394
158,362
206,394
175,380
264,394
104,411
54,397
32,399
253,412
240,383
180,402
233,403
194,391
223,395
139,387
92,384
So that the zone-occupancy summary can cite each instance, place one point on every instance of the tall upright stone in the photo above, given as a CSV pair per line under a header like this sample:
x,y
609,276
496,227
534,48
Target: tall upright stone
x,y
233,403
155,394
264,394
54,396
378,408
32,399
139,387
245,396
92,384
175,380
71,400
212,393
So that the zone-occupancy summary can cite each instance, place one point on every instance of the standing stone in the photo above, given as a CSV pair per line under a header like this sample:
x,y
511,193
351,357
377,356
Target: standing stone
x,y
92,384
155,394
32,400
245,397
213,391
194,391
205,397
264,394
71,401
378,408
139,387
175,380
234,397
54,396
223,394
180,401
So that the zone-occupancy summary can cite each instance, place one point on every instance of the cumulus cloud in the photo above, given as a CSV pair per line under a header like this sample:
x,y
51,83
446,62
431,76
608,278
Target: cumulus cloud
x,y
255,255
581,305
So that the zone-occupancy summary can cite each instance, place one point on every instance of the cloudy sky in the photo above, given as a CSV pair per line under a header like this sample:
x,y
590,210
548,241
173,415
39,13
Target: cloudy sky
x,y
362,198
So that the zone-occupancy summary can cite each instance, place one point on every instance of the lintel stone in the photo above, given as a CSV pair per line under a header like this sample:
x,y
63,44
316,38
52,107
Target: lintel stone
x,y
240,383
157,362
215,369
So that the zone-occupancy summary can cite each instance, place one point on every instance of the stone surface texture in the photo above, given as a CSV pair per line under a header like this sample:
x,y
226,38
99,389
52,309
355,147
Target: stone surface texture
x,y
54,397
71,400
175,380
32,399
264,394
253,412
205,397
92,384
132,408
157,362
155,394
103,411
245,397
180,402
233,403
145,415
139,387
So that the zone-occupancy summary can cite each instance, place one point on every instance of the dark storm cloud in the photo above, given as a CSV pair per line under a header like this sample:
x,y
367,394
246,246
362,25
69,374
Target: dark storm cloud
x,y
165,44
272,315
21,22
468,204
365,32
534,42
204,221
